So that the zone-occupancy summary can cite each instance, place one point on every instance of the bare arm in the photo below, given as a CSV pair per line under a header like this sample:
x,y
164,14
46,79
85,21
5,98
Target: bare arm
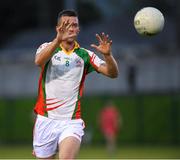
x,y
46,53
110,68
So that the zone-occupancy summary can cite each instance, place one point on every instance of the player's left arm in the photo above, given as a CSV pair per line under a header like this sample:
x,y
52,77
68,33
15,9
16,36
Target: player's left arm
x,y
110,68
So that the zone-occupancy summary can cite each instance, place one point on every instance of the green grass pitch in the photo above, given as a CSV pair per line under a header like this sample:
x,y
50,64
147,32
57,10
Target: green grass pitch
x,y
99,152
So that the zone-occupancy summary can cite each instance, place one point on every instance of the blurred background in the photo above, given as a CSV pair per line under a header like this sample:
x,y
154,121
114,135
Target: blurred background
x,y
146,93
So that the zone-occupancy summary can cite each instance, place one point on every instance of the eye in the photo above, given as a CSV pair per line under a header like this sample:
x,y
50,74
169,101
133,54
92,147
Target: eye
x,y
74,25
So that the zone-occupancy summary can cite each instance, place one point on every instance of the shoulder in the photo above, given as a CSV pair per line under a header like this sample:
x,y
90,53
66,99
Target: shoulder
x,y
42,46
85,52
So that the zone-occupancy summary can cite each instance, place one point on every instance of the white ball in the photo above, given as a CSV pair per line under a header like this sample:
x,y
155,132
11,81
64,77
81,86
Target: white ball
x,y
149,21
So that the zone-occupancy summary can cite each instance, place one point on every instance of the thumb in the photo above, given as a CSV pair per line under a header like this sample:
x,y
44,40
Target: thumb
x,y
94,46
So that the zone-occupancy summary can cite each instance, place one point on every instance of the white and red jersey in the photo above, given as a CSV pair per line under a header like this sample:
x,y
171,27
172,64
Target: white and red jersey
x,y
61,82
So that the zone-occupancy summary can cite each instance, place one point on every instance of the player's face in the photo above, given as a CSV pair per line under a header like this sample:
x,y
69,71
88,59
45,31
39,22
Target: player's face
x,y
73,29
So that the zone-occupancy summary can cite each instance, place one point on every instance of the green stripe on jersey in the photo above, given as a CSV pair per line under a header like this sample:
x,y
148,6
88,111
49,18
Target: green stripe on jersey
x,y
57,50
85,56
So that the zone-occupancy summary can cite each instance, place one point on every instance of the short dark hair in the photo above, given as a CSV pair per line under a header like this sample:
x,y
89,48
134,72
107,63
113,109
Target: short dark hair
x,y
70,13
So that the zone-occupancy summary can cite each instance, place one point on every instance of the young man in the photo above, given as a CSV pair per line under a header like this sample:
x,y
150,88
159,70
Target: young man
x,y
64,65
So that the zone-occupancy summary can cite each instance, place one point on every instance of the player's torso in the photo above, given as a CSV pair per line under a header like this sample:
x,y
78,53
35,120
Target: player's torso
x,y
63,78
64,70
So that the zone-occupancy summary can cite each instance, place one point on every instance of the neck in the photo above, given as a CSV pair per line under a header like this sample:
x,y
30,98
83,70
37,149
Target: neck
x,y
68,46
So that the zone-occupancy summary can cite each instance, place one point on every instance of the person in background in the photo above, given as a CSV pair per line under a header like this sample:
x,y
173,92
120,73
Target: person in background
x,y
110,123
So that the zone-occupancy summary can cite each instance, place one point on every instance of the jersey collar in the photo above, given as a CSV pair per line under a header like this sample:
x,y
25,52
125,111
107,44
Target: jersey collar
x,y
69,52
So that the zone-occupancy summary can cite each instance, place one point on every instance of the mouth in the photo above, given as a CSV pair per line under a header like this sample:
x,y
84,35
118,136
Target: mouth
x,y
74,35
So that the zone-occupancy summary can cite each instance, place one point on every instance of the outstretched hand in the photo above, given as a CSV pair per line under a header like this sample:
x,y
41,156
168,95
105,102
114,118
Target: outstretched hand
x,y
105,43
62,31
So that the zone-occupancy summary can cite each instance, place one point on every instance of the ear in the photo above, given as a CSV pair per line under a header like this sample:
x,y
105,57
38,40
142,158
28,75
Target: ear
x,y
56,28
78,30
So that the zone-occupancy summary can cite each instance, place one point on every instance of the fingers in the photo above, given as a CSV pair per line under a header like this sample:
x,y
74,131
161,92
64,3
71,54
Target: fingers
x,y
110,42
64,26
99,38
103,38
94,46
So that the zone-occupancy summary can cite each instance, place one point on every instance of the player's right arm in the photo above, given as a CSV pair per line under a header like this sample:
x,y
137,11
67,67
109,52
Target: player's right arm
x,y
46,52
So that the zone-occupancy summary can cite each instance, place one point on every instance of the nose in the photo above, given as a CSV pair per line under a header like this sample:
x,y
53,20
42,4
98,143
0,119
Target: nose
x,y
71,28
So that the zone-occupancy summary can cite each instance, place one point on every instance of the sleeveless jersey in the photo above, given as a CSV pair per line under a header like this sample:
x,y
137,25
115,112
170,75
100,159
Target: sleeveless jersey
x,y
61,82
